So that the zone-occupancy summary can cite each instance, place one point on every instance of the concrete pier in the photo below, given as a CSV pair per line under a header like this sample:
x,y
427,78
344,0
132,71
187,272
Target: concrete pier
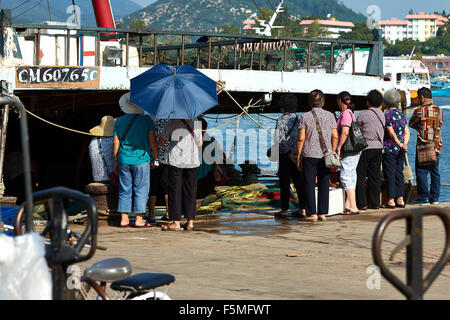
x,y
266,258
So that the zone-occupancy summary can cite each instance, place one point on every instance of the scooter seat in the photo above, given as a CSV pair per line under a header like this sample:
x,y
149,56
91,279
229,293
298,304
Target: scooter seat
x,y
109,270
143,282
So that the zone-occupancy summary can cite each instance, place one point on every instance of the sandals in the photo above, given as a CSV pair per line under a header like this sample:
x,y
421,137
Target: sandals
x,y
387,206
125,225
348,212
280,215
167,227
145,225
165,218
400,205
187,227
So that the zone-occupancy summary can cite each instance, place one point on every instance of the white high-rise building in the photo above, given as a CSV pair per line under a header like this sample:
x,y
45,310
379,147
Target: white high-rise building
x,y
394,30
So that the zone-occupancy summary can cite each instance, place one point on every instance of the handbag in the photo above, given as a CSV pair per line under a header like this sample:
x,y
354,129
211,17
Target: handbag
x,y
332,160
426,155
355,141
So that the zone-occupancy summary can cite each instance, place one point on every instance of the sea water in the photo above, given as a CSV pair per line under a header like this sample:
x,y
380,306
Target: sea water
x,y
249,147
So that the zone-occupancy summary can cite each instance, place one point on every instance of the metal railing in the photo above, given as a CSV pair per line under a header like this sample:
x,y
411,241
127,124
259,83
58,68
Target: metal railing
x,y
154,46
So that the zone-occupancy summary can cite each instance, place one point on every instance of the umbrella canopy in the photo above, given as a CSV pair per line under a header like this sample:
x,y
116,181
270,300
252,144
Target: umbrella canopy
x,y
173,92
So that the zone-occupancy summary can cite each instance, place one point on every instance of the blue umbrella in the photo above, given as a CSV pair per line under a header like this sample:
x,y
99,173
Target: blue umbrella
x,y
173,92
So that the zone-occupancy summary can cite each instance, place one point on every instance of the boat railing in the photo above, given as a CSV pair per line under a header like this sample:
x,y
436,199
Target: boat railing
x,y
214,50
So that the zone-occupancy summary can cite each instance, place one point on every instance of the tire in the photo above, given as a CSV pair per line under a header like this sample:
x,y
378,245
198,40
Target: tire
x,y
152,295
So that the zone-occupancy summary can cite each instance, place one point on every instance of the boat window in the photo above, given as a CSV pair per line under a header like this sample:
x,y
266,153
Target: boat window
x,y
399,78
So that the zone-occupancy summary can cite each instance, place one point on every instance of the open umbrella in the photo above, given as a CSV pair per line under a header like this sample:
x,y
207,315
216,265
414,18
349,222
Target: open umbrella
x,y
173,92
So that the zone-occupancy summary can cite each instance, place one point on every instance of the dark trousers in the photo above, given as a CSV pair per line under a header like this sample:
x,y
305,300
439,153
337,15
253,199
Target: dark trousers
x,y
288,171
369,166
393,173
313,168
422,182
182,186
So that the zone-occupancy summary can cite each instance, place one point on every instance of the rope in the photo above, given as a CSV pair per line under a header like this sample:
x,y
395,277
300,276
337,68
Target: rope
x,y
59,126
246,113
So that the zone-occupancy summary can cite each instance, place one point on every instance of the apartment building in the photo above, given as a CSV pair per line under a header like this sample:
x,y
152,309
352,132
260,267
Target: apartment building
x,y
334,26
394,30
418,27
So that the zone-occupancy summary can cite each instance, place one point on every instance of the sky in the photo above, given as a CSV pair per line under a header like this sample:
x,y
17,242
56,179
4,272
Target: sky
x,y
388,8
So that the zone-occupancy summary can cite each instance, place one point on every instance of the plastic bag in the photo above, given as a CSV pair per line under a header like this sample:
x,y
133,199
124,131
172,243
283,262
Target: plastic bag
x,y
24,272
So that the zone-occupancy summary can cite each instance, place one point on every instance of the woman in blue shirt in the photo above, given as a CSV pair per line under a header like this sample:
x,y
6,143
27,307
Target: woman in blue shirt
x,y
134,134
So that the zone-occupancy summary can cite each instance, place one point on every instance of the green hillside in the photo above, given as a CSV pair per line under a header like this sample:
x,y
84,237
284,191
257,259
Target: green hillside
x,y
210,15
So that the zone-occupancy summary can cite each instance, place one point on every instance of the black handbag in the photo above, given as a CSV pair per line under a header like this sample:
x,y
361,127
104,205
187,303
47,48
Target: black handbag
x,y
355,141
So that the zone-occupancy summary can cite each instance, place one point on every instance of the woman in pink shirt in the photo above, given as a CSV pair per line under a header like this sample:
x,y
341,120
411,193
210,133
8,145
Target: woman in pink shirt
x,y
349,161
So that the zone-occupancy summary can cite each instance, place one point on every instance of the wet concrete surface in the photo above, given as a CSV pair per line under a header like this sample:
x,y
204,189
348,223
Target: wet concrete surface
x,y
254,256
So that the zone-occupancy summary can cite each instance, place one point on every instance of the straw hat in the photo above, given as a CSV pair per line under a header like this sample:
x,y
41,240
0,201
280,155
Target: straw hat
x,y
105,128
127,106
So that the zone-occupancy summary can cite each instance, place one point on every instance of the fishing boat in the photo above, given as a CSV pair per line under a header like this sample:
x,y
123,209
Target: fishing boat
x,y
69,76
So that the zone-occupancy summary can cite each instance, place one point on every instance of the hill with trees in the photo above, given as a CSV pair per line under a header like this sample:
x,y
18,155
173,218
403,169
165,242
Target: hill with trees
x,y
211,15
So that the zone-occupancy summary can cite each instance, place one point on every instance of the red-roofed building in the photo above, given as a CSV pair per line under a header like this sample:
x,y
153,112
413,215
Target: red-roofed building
x,y
333,25
422,26
394,30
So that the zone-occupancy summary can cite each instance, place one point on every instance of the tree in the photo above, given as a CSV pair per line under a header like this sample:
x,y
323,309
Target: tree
x,y
230,28
138,25
359,32
411,11
315,30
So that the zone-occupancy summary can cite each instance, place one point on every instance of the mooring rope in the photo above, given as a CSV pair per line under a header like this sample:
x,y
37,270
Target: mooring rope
x,y
60,126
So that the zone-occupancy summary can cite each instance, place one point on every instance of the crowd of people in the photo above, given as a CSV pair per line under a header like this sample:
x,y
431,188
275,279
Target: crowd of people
x,y
148,157
386,132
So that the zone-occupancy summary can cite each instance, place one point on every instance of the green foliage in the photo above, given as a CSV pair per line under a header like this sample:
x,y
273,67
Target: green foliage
x,y
315,30
138,25
229,28
359,32
201,15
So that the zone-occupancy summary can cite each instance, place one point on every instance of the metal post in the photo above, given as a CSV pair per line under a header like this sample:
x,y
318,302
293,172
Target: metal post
x,y
198,58
37,48
414,251
3,145
209,52
97,42
127,49
140,51
235,53
240,57
285,57
155,52
68,48
353,60
260,54
218,60
182,50
332,58
251,59
178,57
308,58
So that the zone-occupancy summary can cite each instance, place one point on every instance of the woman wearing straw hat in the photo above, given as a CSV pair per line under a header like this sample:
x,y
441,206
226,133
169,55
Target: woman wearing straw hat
x,y
101,150
134,134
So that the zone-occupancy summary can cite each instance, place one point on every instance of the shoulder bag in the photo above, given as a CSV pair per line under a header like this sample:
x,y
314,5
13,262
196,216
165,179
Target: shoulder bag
x,y
355,141
332,160
426,153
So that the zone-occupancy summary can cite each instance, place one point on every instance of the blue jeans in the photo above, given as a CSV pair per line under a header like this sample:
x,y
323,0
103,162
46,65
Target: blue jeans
x,y
134,185
422,182
393,173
